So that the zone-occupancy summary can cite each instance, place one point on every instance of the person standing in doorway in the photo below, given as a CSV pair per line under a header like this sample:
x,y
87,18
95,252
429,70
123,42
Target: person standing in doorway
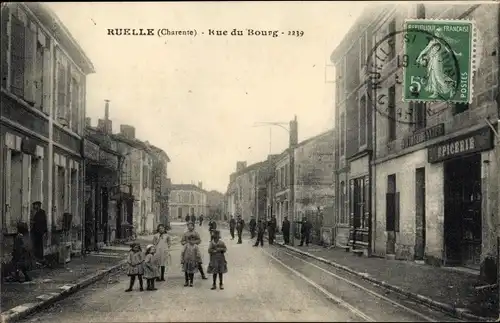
x,y
261,230
240,224
38,229
232,226
285,229
192,235
162,242
252,225
305,231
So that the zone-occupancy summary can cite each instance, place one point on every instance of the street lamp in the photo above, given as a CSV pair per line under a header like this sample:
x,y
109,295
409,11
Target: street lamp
x,y
291,150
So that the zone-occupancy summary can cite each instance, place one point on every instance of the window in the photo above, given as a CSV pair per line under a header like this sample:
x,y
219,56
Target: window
x,y
343,207
362,121
191,198
391,111
145,176
342,134
62,91
17,55
75,105
4,21
41,64
392,40
460,107
392,205
419,111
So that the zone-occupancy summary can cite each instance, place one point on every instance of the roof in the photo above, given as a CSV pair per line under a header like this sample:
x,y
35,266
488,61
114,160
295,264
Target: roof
x,y
186,187
131,142
370,14
318,136
160,151
52,22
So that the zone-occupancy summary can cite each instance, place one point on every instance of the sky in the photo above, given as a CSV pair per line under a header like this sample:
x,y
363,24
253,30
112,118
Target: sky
x,y
198,98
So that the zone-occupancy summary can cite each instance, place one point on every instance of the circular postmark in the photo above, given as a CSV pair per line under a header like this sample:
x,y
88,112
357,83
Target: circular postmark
x,y
426,66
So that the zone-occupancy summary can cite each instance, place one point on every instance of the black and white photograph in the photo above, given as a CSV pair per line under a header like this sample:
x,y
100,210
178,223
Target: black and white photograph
x,y
250,161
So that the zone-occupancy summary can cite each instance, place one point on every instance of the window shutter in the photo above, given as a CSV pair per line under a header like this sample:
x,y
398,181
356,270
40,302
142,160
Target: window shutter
x,y
17,56
56,86
396,212
29,62
5,40
8,177
46,93
69,104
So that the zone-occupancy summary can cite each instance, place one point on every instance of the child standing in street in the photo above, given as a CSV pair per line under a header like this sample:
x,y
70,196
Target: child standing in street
x,y
151,267
21,255
135,266
217,264
190,260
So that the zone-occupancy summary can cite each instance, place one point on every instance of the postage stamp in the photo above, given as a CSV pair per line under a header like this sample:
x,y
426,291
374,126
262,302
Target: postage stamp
x,y
434,59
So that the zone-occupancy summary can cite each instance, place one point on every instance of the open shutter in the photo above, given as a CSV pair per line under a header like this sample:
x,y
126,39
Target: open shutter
x,y
56,84
29,62
46,93
17,55
69,98
5,41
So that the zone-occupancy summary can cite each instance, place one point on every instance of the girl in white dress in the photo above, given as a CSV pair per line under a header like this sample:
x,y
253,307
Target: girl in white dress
x,y
162,242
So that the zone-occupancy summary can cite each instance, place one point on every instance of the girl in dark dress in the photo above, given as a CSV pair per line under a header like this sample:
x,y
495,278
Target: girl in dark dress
x,y
21,255
217,265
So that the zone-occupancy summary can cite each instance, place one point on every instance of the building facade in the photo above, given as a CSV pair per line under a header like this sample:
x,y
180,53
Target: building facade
x,y
161,185
42,121
187,199
433,201
353,124
137,175
314,185
215,205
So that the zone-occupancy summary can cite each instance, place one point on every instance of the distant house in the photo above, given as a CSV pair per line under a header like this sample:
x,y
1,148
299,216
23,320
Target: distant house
x,y
187,199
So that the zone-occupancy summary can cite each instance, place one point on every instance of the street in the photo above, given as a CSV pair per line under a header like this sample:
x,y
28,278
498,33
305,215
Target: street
x,y
260,286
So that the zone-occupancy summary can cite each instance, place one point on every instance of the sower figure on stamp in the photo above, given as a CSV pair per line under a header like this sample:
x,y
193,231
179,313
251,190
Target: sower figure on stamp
x,y
240,224
285,228
218,264
252,225
192,235
162,242
261,230
232,226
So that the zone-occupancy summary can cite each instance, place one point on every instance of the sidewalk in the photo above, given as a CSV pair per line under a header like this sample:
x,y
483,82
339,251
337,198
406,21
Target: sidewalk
x,y
444,288
50,284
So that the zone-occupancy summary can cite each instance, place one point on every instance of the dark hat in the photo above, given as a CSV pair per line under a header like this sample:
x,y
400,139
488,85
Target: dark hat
x,y
37,203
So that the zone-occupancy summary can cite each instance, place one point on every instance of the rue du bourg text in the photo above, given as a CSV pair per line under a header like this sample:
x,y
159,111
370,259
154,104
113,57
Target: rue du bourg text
x,y
161,32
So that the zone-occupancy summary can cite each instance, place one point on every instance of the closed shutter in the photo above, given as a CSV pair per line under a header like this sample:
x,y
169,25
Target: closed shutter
x,y
69,104
5,40
17,56
29,63
47,94
40,65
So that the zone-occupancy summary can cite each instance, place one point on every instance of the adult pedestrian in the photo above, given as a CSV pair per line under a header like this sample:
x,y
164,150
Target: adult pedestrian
x,y
261,230
201,219
192,235
187,218
305,231
252,225
285,229
272,229
162,242
193,218
212,226
232,226
240,224
38,229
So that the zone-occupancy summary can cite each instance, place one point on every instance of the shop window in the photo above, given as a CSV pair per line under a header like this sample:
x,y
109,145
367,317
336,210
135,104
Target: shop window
x,y
16,189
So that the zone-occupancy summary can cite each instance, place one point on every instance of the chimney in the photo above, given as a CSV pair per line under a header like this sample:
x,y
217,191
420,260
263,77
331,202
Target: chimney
x,y
240,165
106,110
88,122
294,132
200,185
127,131
107,125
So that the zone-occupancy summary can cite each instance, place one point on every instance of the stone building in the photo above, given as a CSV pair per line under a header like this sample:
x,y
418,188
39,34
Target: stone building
x,y
161,185
314,184
137,175
187,199
43,88
353,138
433,207
215,203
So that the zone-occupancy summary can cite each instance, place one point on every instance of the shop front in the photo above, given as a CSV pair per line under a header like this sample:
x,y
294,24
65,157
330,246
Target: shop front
x,y
467,183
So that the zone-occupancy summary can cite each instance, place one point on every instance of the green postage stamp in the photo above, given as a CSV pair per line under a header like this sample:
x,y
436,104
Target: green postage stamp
x,y
440,60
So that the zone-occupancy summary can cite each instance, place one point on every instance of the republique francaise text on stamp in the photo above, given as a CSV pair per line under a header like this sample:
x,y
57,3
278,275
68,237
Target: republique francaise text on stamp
x,y
433,60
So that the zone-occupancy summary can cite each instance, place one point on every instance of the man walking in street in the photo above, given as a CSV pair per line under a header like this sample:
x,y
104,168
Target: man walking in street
x,y
187,218
240,224
261,230
285,228
201,219
212,226
272,229
232,226
305,231
193,218
252,225
38,229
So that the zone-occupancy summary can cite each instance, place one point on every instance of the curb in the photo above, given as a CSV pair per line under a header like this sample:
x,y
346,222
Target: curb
x,y
30,308
443,307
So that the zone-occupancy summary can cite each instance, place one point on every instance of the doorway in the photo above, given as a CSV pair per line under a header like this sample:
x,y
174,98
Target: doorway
x,y
105,213
420,213
462,211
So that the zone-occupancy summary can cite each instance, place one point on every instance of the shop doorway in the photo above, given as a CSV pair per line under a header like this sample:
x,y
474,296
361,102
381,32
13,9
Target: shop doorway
x,y
462,211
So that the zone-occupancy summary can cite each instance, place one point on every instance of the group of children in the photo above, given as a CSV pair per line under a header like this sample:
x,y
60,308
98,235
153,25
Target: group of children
x,y
152,264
